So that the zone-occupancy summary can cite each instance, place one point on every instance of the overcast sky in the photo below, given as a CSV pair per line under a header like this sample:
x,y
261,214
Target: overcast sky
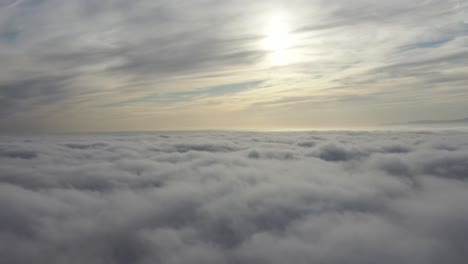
x,y
86,65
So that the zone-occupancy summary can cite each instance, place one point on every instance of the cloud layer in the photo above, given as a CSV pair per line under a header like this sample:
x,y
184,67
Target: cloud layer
x,y
235,197
82,65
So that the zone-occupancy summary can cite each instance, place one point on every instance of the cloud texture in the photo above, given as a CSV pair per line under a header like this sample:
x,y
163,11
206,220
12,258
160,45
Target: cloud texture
x,y
235,197
83,65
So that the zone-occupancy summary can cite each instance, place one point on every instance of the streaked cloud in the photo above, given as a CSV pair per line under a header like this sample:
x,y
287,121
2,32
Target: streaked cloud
x,y
121,54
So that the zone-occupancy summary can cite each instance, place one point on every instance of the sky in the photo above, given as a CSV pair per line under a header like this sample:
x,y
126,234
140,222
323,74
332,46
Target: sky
x,y
118,65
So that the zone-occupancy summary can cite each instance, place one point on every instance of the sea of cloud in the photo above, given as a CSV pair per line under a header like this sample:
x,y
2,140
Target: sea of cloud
x,y
235,197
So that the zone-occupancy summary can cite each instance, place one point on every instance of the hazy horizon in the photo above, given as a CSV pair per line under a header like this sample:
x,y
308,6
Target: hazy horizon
x,y
287,130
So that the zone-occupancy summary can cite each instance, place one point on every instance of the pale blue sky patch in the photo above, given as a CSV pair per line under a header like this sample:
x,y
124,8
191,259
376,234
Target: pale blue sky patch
x,y
461,31
428,44
9,36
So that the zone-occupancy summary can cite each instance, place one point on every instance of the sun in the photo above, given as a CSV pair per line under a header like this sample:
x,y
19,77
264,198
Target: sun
x,y
278,41
277,37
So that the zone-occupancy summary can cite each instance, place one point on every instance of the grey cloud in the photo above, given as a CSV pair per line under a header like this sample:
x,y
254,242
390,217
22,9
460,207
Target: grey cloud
x,y
32,93
414,67
332,152
31,87
186,53
20,154
306,144
450,165
275,155
115,42
85,146
396,149
206,147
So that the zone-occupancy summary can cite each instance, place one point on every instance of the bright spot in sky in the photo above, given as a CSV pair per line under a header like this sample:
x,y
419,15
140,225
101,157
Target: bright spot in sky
x,y
278,40
278,37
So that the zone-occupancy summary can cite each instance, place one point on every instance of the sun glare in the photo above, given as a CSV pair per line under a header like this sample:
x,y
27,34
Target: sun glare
x,y
278,41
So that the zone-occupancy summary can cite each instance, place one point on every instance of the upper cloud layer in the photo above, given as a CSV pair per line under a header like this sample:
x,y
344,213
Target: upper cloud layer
x,y
80,55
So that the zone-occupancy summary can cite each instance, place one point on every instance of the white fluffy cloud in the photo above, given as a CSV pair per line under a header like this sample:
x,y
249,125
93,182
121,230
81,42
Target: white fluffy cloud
x,y
235,197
